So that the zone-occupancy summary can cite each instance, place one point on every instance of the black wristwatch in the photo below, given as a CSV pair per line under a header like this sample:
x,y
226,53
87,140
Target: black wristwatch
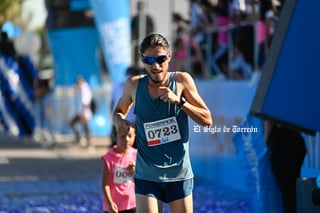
x,y
182,101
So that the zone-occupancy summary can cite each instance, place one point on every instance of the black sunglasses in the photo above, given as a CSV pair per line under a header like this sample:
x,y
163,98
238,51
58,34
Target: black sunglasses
x,y
155,59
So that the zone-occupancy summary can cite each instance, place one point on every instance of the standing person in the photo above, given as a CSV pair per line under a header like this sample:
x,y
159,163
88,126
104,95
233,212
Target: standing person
x,y
141,25
83,110
239,68
135,21
200,22
265,29
180,39
287,152
162,102
117,174
222,22
6,45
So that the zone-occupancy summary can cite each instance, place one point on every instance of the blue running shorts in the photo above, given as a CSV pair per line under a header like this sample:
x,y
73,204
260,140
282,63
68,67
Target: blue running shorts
x,y
164,191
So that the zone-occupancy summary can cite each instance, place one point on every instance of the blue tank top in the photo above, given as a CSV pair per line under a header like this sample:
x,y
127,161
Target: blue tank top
x,y
162,136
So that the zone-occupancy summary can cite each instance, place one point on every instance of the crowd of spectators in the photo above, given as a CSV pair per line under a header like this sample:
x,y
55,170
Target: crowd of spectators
x,y
225,39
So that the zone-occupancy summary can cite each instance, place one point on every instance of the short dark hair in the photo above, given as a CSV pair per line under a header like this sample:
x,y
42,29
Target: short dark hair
x,y
153,40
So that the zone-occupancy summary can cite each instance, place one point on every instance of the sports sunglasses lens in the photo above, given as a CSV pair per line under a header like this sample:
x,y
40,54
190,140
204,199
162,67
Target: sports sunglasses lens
x,y
157,59
161,59
148,60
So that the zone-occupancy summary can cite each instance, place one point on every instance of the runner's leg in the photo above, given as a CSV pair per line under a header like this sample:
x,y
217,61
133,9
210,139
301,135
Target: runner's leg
x,y
147,204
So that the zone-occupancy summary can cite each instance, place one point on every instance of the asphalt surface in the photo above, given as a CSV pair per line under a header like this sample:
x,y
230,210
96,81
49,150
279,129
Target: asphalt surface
x,y
65,178
23,159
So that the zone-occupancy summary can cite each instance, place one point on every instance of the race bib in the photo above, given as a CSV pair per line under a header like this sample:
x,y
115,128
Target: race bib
x,y
162,131
122,175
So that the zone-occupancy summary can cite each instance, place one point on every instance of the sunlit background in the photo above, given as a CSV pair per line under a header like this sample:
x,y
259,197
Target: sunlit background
x,y
96,44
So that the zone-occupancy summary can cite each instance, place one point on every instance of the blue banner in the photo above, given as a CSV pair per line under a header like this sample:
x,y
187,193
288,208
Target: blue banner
x,y
113,23
17,95
255,163
75,53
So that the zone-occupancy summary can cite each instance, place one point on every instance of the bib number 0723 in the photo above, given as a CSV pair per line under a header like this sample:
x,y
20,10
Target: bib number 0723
x,y
162,132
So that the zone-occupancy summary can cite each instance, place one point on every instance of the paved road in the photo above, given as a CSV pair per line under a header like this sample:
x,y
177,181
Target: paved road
x,y
66,179
26,160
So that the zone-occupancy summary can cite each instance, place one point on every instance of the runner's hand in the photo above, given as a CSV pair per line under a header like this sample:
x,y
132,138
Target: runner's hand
x,y
166,95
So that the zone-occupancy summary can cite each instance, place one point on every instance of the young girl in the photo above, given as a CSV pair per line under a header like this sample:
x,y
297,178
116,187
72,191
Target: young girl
x,y
117,174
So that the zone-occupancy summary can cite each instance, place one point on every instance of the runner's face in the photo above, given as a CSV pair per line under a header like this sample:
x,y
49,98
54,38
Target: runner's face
x,y
157,71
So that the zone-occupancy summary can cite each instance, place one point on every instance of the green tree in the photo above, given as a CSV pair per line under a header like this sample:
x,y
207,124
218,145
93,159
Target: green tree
x,y
10,9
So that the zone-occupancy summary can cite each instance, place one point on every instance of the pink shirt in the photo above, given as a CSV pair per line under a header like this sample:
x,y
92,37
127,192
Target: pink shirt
x,y
121,182
261,27
223,35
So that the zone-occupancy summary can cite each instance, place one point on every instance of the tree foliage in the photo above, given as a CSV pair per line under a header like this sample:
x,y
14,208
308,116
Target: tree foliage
x,y
10,9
